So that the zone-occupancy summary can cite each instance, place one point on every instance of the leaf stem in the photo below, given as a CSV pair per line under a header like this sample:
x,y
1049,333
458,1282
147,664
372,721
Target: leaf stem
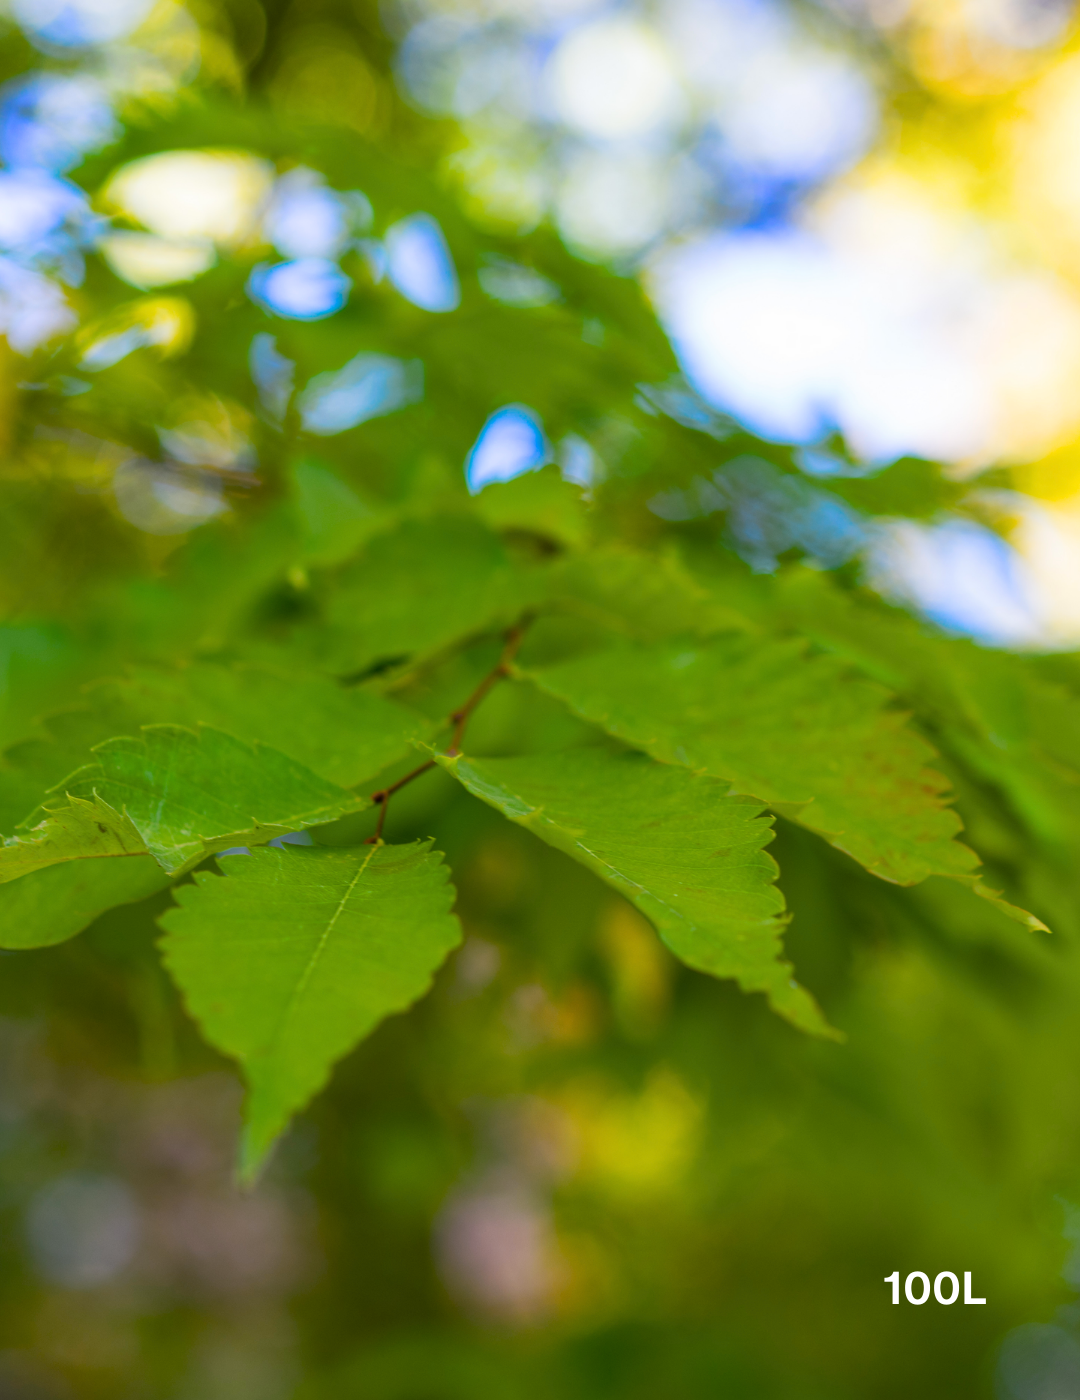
x,y
459,719
384,795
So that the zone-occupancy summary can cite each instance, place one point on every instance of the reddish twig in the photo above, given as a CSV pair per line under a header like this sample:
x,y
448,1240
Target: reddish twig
x,y
383,798
459,719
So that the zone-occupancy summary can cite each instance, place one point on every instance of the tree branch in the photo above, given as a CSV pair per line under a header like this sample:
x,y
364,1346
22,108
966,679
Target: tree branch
x,y
459,719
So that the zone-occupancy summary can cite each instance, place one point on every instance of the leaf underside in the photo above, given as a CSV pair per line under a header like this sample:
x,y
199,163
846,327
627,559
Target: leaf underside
x,y
293,956
57,902
179,794
689,855
342,734
78,829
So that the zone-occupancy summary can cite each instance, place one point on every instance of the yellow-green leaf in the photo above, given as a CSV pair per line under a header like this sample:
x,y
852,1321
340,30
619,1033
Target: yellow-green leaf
x,y
293,956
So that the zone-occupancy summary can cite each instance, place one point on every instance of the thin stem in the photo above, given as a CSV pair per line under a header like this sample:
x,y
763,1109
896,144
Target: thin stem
x,y
384,795
459,719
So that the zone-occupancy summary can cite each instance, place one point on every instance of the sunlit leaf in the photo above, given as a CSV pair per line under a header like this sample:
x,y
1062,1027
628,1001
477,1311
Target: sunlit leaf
x,y
797,732
536,503
343,734
179,794
293,956
687,854
74,830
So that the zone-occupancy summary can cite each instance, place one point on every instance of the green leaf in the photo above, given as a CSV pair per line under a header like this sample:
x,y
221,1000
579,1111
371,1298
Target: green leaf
x,y
335,519
417,588
676,844
910,487
293,956
637,595
188,792
343,734
798,732
76,830
210,588
64,741
1012,727
179,794
536,503
38,667
53,904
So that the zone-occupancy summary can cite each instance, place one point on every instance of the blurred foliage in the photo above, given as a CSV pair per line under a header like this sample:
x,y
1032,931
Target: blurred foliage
x,y
579,1166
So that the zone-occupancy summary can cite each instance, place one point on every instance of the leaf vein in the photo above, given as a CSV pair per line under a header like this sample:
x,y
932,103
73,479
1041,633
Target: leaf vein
x,y
320,948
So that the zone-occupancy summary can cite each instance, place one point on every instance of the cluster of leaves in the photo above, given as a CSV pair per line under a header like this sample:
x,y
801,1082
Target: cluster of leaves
x,y
230,718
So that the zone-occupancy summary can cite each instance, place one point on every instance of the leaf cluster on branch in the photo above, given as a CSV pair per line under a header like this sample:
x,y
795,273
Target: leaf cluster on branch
x,y
232,718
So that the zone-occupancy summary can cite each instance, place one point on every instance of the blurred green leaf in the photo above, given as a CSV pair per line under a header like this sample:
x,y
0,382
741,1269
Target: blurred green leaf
x,y
56,902
415,589
537,503
335,519
76,830
342,734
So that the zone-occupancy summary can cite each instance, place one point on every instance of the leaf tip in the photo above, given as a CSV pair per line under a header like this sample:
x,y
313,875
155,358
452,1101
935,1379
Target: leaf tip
x,y
255,1148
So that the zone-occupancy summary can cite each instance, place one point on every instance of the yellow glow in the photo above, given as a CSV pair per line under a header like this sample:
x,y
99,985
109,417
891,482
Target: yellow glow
x,y
634,1144
1046,168
913,231
889,205
206,431
147,261
968,50
500,189
164,323
641,969
1048,540
325,77
180,195
1029,343
1055,477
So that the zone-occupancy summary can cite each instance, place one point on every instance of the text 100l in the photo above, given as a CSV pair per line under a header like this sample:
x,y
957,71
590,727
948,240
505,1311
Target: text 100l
x,y
946,1288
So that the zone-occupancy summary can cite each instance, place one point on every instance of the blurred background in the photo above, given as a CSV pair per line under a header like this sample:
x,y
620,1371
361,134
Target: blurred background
x,y
854,217
859,221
